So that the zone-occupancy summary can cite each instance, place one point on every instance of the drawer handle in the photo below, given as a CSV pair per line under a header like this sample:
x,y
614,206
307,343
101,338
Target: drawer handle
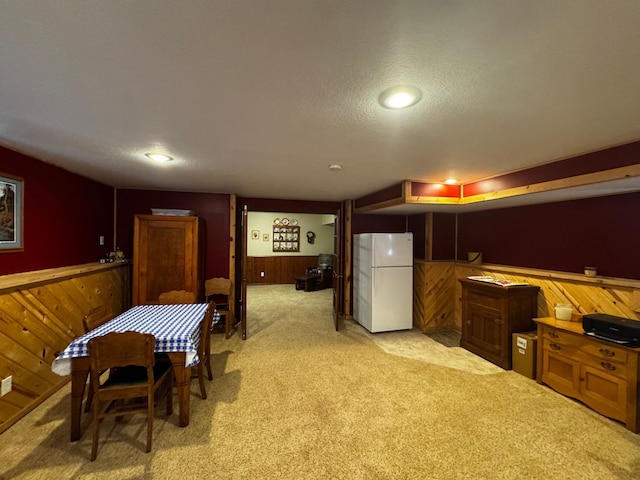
x,y
553,335
608,366
607,353
555,346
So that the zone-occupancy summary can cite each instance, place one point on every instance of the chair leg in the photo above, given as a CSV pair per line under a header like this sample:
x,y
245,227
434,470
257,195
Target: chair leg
x,y
208,364
227,325
89,400
207,360
96,432
203,390
150,414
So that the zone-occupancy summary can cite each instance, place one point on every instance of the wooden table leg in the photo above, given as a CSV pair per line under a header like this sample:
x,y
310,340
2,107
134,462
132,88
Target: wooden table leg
x,y
79,373
183,383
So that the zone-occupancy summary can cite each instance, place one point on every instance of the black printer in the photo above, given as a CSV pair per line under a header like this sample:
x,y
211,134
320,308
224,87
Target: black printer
x,y
622,331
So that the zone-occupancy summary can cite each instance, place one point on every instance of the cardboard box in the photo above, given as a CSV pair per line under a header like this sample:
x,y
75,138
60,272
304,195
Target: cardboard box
x,y
523,356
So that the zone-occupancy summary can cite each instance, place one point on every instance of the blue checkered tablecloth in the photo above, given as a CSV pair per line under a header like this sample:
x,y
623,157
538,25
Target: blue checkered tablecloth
x,y
176,328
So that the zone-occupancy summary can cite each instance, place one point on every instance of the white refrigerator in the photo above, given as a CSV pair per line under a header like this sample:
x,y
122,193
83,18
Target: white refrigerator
x,y
383,281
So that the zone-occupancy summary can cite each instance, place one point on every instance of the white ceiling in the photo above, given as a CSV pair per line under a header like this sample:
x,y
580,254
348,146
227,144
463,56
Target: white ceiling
x,y
258,97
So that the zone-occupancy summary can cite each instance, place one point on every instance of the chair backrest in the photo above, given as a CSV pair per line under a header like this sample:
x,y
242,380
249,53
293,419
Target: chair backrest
x,y
117,349
97,316
217,286
177,296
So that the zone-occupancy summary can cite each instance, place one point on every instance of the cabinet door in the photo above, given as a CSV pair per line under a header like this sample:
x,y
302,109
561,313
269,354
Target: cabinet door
x,y
561,373
604,392
483,331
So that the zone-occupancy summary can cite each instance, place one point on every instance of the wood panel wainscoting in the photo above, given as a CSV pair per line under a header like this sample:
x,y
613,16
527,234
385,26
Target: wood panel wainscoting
x,y
41,314
437,292
433,301
278,269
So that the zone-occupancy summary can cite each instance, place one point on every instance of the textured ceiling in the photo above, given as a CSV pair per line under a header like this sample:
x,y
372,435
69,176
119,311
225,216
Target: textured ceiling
x,y
258,97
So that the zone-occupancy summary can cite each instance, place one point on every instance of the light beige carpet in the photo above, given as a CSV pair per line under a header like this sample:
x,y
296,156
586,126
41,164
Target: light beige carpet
x,y
298,400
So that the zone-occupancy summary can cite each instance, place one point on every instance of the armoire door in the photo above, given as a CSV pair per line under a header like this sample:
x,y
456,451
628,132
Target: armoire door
x,y
166,256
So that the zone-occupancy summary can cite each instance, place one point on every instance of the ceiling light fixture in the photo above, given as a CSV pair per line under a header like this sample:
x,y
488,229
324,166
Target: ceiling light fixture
x,y
335,167
400,97
159,157
451,181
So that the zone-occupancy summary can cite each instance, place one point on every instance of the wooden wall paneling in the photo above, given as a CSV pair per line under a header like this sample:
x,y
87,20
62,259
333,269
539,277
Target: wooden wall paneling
x,y
434,301
439,310
25,327
419,294
41,313
42,300
278,269
59,302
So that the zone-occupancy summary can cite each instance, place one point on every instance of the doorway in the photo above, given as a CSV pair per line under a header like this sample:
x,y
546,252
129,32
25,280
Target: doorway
x,y
315,242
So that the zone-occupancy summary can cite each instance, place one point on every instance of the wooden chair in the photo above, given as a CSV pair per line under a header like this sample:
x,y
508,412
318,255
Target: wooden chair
x,y
93,319
96,317
130,357
204,350
177,296
221,287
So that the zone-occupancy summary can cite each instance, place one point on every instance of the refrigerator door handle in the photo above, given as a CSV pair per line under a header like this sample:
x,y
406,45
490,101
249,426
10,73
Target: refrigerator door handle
x,y
373,280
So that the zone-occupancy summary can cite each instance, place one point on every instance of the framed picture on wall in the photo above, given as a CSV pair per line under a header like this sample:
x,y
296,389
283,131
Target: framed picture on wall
x,y
265,237
10,213
255,234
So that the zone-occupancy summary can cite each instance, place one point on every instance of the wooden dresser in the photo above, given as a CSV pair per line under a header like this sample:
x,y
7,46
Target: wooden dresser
x,y
167,255
601,374
491,313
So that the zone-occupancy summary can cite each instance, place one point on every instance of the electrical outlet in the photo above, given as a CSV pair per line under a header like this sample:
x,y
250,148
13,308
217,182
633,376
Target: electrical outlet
x,y
262,274
6,385
101,239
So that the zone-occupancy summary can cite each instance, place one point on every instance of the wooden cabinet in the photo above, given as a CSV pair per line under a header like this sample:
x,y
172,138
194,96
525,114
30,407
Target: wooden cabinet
x,y
167,255
491,313
600,374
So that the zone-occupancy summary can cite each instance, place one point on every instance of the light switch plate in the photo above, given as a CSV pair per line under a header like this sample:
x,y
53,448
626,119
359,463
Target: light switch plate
x,y
6,385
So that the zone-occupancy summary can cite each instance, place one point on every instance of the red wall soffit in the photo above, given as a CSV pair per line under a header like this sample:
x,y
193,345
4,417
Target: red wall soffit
x,y
419,189
616,157
601,161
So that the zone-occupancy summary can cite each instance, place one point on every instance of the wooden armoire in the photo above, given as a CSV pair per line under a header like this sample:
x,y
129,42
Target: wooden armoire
x,y
167,255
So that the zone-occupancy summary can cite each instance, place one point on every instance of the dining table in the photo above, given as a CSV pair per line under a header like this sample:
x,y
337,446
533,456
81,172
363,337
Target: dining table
x,y
176,328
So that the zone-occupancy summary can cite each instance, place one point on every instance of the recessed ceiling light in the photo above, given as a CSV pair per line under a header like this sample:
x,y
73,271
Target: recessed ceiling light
x,y
335,167
159,157
400,97
451,181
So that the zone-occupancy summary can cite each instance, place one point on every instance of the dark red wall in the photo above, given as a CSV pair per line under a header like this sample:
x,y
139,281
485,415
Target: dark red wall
x,y
64,216
565,236
280,205
213,208
444,236
367,223
417,225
